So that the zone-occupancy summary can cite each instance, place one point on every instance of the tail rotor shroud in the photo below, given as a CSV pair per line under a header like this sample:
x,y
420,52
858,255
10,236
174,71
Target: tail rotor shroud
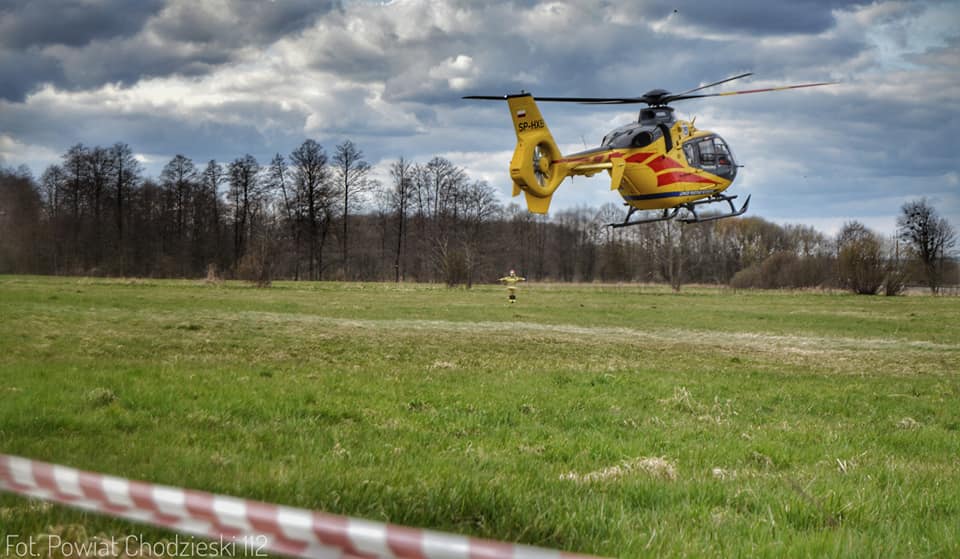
x,y
541,164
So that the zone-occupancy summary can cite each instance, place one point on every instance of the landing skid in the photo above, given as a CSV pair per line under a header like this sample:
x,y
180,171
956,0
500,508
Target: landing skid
x,y
691,207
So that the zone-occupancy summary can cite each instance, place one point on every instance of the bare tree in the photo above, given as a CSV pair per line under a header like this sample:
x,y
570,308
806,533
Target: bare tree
x,y
613,256
382,212
930,236
312,200
672,251
76,163
860,264
20,212
895,280
441,184
178,176
126,172
351,172
444,183
53,182
244,192
401,171
278,179
210,180
480,206
100,166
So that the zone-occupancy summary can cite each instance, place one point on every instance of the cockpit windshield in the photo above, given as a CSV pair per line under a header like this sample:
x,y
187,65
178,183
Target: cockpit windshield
x,y
711,154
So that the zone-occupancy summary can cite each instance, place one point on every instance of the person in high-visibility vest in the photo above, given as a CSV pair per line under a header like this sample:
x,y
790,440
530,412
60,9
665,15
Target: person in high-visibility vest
x,y
511,282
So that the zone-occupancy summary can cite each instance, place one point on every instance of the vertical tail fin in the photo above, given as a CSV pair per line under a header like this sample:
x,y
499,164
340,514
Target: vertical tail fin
x,y
533,167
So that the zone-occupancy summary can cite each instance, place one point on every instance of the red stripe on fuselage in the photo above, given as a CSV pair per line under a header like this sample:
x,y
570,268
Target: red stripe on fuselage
x,y
639,157
601,158
664,162
676,176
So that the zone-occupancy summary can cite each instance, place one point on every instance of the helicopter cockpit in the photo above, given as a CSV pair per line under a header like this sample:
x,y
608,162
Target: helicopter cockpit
x,y
711,154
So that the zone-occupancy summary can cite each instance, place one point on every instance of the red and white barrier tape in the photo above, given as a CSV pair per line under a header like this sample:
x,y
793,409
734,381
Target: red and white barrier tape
x,y
272,528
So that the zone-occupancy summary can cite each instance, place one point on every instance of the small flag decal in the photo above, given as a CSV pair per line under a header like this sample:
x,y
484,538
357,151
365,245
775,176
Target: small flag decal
x,y
521,113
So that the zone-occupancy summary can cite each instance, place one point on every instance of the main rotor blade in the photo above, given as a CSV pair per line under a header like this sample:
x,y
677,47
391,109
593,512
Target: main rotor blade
x,y
593,100
657,100
742,92
711,84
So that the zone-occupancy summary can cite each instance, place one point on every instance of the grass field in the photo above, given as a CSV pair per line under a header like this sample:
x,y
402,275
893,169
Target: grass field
x,y
614,420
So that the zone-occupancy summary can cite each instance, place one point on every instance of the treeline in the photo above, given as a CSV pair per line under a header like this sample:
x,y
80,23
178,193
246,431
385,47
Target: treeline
x,y
313,215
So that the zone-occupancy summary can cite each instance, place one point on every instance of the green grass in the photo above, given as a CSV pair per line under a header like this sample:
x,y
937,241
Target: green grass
x,y
795,424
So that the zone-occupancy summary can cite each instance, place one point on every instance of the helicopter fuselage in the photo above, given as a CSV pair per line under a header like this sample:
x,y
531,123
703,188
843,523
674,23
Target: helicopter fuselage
x,y
655,163
666,162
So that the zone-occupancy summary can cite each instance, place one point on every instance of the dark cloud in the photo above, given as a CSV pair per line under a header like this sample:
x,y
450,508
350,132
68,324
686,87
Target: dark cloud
x,y
756,17
567,50
20,73
125,61
79,45
278,19
237,24
218,135
74,23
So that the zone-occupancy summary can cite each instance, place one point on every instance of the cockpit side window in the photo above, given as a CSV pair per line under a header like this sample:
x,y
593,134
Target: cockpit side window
x,y
708,153
724,157
689,150
711,154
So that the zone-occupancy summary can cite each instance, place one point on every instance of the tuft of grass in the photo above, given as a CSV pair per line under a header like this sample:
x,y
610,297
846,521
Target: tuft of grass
x,y
99,397
908,423
658,467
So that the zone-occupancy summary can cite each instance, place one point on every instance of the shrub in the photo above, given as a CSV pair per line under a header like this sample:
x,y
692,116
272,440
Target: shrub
x,y
860,259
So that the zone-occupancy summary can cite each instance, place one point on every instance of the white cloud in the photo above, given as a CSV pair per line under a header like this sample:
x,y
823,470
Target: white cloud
x,y
457,71
14,152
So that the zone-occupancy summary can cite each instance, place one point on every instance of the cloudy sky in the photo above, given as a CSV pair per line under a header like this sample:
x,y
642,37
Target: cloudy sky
x,y
217,79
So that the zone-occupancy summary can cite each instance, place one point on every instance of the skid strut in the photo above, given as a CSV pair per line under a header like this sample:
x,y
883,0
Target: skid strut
x,y
691,207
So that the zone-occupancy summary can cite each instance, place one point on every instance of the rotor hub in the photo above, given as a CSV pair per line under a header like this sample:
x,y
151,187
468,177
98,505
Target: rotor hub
x,y
656,97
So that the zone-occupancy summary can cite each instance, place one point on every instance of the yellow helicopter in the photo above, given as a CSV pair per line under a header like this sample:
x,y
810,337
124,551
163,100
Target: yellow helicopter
x,y
656,163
